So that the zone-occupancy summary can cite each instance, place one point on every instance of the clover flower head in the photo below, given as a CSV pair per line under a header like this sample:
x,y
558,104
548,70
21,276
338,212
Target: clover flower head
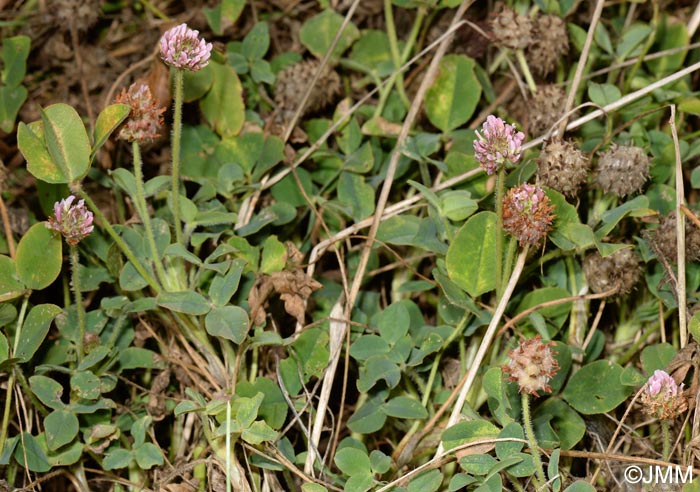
x,y
73,221
527,214
662,398
181,47
497,144
145,118
532,365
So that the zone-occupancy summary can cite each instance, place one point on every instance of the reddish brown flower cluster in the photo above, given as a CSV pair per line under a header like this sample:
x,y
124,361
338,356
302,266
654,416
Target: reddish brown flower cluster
x,y
145,118
527,214
662,398
532,365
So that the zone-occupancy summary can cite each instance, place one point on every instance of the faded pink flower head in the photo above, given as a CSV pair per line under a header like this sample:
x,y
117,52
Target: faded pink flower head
x,y
498,144
662,398
145,118
74,222
527,214
180,47
532,365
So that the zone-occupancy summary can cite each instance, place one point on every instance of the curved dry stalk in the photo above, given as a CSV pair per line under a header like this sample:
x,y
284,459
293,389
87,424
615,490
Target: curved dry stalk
x,y
680,233
581,63
485,343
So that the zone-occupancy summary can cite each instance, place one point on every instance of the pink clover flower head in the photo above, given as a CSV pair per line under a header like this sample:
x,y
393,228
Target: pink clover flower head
x,y
497,144
145,118
662,398
73,221
181,47
527,214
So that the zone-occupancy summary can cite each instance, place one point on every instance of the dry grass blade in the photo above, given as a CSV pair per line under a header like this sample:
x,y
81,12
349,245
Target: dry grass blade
x,y
680,234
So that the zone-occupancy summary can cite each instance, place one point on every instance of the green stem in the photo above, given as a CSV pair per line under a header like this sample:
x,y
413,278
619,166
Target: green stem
x,y
666,436
532,441
510,256
394,48
120,242
75,284
520,55
143,211
11,379
500,190
177,137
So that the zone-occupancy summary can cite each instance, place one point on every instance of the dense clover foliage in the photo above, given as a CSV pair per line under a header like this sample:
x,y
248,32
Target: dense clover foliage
x,y
379,245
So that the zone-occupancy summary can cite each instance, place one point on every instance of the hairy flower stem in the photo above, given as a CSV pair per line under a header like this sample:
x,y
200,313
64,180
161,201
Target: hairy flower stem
x,y
500,190
176,138
532,441
11,379
666,436
143,211
75,284
121,244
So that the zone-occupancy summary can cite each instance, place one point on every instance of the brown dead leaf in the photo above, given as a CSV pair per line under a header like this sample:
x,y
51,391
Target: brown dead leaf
x,y
156,397
294,288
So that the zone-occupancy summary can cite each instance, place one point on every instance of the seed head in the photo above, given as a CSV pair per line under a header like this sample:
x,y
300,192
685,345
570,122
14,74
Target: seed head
x,y
180,47
145,118
623,170
663,239
527,214
545,108
620,269
500,143
532,365
511,29
562,166
550,43
662,398
74,222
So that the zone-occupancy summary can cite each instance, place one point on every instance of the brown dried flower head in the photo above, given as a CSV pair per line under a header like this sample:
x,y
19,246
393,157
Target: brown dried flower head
x,y
620,269
527,214
293,81
663,239
550,42
562,167
145,118
545,108
511,29
532,365
623,170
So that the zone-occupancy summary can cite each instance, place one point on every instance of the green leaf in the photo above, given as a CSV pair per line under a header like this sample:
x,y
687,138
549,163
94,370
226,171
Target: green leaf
x,y
318,33
404,407
118,458
136,357
223,287
10,287
39,246
274,407
107,121
184,302
224,14
85,385
457,205
380,462
30,140
632,40
465,432
558,425
229,322
258,432
373,50
66,140
61,427
368,345
596,388
11,101
148,455
428,481
506,449
470,260
353,191
452,98
352,461
48,391
35,329
313,487
603,94
274,256
31,455
197,84
370,417
393,323
256,42
657,357
223,105
670,34
580,486
15,51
